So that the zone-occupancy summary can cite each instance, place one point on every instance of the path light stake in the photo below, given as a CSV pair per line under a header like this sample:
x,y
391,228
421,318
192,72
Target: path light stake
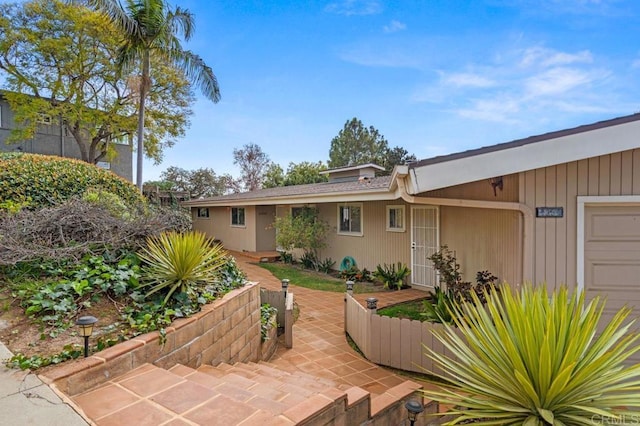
x,y
350,287
414,408
285,285
86,329
372,303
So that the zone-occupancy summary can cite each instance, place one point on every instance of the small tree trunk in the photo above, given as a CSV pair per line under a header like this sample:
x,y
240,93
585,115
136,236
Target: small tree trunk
x,y
144,83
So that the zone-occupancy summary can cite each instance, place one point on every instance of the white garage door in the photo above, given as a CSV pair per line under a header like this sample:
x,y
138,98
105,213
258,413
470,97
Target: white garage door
x,y
612,257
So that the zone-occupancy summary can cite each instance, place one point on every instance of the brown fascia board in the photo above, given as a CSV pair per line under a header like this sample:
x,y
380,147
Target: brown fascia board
x,y
526,141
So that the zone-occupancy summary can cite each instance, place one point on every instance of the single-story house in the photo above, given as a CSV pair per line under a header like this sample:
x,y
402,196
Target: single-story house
x,y
562,207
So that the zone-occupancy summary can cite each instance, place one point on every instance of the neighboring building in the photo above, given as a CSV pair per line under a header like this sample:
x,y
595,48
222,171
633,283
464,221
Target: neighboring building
x,y
51,138
559,208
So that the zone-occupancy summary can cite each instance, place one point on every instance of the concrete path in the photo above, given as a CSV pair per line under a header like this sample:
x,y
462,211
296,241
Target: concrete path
x,y
25,400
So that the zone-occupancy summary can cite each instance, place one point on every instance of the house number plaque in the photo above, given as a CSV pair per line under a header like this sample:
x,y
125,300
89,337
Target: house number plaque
x,y
549,212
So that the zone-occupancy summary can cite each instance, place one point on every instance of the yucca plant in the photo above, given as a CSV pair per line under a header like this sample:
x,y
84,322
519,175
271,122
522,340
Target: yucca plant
x,y
534,358
180,261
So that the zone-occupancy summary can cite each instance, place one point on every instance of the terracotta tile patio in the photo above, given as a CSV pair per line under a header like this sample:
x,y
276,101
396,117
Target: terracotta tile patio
x,y
321,361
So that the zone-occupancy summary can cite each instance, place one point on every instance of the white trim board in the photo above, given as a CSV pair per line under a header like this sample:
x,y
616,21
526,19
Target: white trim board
x,y
583,202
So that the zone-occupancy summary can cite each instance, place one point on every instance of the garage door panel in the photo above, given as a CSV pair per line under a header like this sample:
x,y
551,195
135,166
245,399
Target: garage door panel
x,y
612,259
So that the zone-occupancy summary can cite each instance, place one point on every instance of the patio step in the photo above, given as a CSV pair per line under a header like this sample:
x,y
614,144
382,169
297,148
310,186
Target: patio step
x,y
239,394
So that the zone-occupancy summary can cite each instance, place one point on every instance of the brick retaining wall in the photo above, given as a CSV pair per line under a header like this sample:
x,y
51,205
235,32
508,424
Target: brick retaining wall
x,y
226,330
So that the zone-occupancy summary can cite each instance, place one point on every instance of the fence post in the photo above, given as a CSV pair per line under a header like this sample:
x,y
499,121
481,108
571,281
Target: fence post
x,y
350,293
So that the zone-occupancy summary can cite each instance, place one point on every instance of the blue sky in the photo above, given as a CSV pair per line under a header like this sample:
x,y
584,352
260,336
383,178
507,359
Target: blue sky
x,y
433,76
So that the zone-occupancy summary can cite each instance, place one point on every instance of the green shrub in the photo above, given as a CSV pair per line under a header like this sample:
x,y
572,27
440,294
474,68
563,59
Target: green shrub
x,y
41,181
392,275
176,262
267,320
534,358
110,201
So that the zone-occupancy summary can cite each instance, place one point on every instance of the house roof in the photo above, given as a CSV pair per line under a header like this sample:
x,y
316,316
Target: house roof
x,y
578,143
349,168
357,190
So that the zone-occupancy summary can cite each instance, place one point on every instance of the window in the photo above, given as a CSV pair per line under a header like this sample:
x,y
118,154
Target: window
x,y
44,119
395,218
303,211
237,216
350,219
203,212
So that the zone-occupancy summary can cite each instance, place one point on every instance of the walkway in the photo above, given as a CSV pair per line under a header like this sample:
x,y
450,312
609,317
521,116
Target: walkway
x,y
319,343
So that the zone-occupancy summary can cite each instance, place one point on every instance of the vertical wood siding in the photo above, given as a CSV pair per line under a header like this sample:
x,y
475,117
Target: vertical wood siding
x,y
218,226
480,190
484,239
376,245
559,186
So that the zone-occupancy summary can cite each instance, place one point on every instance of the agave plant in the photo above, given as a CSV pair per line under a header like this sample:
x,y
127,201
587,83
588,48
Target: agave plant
x,y
179,261
534,358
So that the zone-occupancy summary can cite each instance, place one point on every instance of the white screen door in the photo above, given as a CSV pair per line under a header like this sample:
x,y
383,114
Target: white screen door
x,y
424,242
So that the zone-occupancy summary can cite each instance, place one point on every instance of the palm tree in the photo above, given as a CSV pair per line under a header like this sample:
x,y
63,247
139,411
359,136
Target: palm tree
x,y
151,27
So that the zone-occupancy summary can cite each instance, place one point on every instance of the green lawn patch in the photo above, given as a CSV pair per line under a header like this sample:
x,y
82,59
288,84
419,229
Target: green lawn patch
x,y
314,280
411,310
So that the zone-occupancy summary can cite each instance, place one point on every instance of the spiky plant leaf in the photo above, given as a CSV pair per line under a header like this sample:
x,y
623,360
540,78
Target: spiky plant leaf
x,y
179,261
536,358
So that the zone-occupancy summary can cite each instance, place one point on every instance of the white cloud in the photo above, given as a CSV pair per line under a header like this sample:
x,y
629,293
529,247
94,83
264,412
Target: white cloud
x,y
354,7
557,81
468,80
540,56
496,110
394,26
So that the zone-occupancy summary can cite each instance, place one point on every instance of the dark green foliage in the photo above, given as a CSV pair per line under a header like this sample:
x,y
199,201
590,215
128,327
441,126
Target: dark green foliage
x,y
267,321
42,181
326,266
438,307
392,275
309,260
355,274
37,361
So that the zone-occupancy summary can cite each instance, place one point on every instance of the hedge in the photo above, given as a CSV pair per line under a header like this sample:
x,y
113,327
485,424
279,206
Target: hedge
x,y
36,181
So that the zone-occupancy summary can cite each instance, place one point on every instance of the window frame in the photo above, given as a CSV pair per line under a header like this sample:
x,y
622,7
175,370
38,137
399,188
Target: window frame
x,y
199,212
401,208
350,233
244,217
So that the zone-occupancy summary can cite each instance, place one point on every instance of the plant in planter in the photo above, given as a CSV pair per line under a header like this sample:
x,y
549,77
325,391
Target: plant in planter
x,y
393,275
534,358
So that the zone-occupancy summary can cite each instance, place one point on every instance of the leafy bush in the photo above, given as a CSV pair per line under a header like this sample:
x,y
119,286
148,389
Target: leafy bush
x,y
326,266
445,262
176,262
67,291
309,260
305,231
355,274
267,320
534,358
392,275
43,181
109,201
438,307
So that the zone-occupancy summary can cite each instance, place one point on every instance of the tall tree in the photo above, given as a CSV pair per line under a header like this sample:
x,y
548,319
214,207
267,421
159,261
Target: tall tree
x,y
58,61
153,29
253,163
356,145
304,173
199,183
273,176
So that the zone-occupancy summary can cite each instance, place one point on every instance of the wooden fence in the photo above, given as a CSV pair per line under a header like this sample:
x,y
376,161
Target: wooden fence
x,y
393,342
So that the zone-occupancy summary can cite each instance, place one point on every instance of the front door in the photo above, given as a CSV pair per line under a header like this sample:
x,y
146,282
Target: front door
x,y
424,242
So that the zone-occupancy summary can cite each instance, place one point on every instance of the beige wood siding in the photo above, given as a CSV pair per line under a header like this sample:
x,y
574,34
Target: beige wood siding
x,y
484,239
218,226
376,245
555,240
480,190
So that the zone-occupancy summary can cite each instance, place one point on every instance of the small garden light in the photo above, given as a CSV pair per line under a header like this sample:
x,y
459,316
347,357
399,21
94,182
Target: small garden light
x,y
414,408
350,287
285,285
372,303
86,329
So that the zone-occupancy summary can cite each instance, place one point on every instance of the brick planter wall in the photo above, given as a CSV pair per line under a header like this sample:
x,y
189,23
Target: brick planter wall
x,y
226,330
